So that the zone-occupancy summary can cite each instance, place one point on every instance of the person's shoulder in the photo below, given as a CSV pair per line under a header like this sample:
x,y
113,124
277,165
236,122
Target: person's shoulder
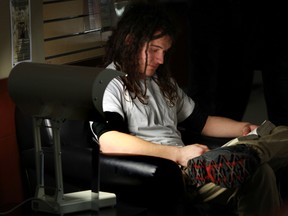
x,y
116,84
117,81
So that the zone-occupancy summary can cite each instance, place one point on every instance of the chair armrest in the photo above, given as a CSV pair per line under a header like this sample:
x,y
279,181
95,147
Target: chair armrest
x,y
151,178
138,180
134,169
118,173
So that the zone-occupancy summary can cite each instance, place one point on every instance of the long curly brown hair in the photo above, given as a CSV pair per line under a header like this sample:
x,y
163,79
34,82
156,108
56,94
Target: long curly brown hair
x,y
140,22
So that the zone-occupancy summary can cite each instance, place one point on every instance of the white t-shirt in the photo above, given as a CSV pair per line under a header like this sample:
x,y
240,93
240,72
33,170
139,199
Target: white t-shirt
x,y
155,121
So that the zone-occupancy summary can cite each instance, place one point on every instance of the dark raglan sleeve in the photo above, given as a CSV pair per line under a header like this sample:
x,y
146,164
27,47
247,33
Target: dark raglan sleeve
x,y
112,121
196,121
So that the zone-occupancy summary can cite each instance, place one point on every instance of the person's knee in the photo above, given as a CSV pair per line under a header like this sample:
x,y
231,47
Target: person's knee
x,y
262,182
260,194
264,175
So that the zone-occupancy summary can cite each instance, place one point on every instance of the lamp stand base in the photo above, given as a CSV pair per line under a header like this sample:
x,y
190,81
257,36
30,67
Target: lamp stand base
x,y
75,202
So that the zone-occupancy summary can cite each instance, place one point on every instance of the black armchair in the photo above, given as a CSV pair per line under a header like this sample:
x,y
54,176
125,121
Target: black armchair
x,y
150,183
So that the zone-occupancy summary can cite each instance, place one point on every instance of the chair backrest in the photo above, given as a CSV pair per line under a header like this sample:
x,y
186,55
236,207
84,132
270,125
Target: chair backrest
x,y
25,134
76,133
72,132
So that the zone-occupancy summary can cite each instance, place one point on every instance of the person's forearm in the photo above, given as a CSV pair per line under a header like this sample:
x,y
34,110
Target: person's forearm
x,y
121,143
223,127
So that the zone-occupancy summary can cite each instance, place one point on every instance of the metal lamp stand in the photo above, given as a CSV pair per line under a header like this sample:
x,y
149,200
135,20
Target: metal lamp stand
x,y
61,203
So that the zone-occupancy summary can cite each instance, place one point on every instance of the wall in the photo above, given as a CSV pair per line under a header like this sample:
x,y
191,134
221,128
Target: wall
x,y
10,180
5,36
75,34
5,51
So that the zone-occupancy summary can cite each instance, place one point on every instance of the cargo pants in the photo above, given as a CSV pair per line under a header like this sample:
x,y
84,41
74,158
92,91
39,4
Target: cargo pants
x,y
259,194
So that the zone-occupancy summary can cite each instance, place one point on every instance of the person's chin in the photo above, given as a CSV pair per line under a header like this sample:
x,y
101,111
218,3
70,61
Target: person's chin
x,y
150,74
150,71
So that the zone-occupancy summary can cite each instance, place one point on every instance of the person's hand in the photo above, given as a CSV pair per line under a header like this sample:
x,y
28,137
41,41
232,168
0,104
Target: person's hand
x,y
248,128
191,151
